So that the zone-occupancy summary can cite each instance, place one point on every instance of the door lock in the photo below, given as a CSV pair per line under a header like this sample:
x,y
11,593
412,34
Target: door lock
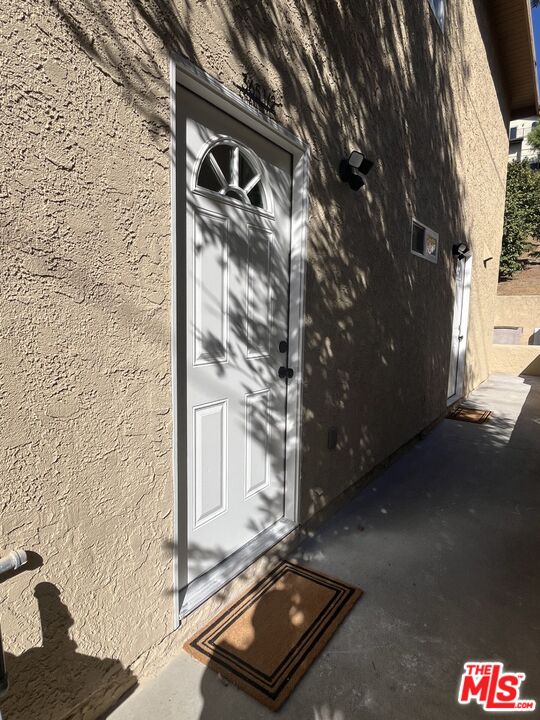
x,y
285,372
283,346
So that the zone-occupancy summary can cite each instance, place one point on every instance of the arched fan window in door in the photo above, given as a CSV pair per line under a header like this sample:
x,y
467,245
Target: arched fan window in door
x,y
228,169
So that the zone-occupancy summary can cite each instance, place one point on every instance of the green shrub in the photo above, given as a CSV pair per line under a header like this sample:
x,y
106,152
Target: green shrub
x,y
521,215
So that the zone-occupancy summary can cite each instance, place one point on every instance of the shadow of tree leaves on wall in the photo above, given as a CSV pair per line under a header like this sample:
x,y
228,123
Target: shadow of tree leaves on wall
x,y
378,320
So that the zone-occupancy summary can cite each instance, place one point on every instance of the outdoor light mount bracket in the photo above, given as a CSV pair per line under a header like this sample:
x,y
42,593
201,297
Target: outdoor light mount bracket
x,y
461,251
353,169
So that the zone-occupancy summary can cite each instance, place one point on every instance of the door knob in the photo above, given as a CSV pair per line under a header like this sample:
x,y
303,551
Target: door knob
x,y
285,372
460,337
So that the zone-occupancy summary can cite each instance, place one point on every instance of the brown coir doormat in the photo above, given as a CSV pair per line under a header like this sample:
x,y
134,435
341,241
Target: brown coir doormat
x,y
467,414
266,641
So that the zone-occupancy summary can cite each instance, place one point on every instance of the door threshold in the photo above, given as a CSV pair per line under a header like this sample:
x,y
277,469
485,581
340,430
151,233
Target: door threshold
x,y
203,587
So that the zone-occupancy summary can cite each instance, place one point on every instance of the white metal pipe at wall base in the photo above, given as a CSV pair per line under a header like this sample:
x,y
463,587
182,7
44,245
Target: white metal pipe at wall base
x,y
13,561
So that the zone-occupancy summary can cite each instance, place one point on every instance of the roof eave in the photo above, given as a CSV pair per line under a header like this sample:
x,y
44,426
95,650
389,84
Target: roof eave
x,y
514,39
533,57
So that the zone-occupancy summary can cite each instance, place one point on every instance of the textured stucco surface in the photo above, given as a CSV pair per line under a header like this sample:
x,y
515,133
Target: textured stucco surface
x,y
519,311
515,359
85,295
86,434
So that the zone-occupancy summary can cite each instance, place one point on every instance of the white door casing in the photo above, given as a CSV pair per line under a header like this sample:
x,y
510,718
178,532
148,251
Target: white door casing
x,y
460,321
185,75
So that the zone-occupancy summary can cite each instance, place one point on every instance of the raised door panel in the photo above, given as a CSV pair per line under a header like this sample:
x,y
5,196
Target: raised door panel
x,y
258,441
259,311
210,466
211,270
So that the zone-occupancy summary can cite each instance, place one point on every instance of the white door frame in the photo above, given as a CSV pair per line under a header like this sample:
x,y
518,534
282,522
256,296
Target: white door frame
x,y
464,331
191,77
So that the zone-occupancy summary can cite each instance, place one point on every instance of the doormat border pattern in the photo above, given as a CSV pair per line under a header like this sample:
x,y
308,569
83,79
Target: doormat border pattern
x,y
468,414
272,690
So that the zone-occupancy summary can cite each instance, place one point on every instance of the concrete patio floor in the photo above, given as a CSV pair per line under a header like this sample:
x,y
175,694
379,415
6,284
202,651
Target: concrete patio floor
x,y
446,546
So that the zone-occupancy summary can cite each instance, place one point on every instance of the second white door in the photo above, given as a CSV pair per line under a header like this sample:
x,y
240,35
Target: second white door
x,y
459,328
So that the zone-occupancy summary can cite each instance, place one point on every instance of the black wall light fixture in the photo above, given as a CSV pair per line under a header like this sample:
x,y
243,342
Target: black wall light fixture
x,y
461,251
353,169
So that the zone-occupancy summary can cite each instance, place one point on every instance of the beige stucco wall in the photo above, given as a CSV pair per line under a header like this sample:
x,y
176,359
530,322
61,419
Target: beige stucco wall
x,y
515,359
85,290
86,420
517,311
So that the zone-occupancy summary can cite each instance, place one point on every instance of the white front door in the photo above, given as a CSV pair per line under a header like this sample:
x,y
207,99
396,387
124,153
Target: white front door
x,y
459,328
237,244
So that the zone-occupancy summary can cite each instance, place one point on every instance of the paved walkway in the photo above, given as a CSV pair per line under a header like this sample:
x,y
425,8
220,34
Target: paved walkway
x,y
446,545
